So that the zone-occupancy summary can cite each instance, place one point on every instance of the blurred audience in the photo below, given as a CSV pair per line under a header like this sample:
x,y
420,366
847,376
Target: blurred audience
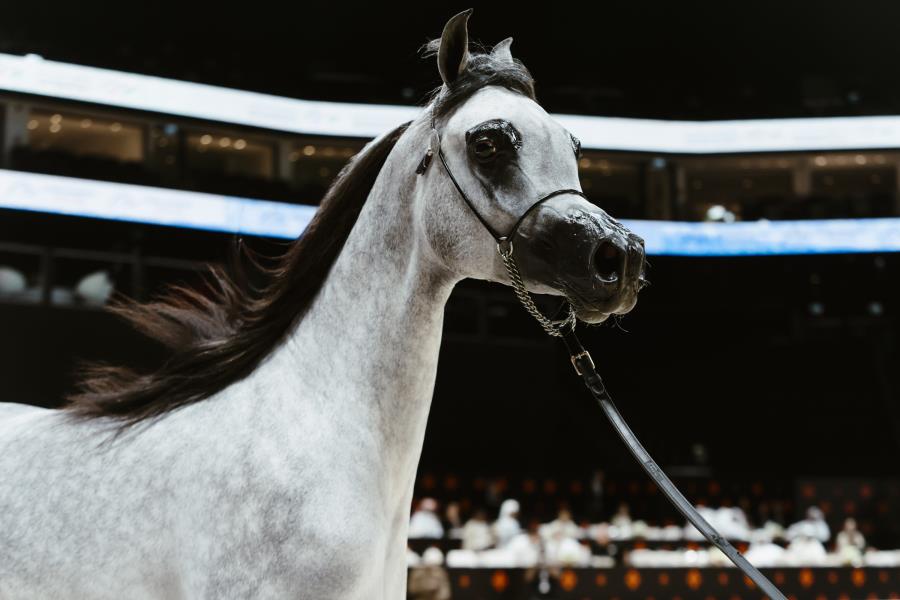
x,y
850,537
429,579
620,538
453,520
850,544
476,534
563,526
813,526
424,522
507,526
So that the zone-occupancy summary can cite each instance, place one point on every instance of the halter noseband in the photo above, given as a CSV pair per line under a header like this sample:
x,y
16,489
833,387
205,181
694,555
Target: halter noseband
x,y
505,242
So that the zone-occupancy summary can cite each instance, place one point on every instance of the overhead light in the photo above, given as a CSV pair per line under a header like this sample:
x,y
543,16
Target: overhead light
x,y
85,123
57,118
309,150
206,139
821,161
719,214
11,281
240,144
55,127
95,288
33,124
225,142
860,159
115,127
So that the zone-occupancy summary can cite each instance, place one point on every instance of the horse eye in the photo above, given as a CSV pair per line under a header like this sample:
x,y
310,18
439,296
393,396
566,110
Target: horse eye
x,y
484,148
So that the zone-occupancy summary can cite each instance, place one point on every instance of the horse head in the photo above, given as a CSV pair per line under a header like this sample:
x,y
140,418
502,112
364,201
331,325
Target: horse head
x,y
516,168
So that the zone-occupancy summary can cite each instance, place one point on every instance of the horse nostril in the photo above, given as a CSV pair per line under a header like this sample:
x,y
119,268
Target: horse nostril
x,y
608,261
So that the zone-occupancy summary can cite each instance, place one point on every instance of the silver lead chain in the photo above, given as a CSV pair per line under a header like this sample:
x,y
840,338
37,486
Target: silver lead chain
x,y
553,328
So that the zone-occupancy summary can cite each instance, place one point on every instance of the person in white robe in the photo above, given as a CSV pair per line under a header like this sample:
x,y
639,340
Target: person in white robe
x,y
813,526
507,526
424,522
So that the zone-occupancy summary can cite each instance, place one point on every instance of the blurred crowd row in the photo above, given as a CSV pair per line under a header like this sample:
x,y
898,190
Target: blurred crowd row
x,y
505,543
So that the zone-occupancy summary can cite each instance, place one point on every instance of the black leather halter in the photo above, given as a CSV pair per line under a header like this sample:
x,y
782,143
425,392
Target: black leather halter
x,y
503,241
584,366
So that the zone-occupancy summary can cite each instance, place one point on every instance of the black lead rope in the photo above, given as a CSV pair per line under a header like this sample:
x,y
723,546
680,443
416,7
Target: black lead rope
x,y
584,366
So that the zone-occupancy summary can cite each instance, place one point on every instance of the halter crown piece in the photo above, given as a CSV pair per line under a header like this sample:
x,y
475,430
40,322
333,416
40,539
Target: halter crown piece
x,y
584,366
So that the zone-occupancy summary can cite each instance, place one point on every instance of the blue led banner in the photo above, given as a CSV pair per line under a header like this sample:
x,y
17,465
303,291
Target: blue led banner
x,y
229,214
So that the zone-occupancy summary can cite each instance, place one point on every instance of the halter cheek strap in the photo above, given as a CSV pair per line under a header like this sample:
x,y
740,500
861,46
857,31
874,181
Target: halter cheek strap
x,y
502,240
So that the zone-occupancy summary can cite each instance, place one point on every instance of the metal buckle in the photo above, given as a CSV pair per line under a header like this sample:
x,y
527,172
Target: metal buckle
x,y
505,247
578,357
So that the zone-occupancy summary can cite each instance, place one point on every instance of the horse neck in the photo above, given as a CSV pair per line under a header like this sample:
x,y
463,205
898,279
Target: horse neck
x,y
366,351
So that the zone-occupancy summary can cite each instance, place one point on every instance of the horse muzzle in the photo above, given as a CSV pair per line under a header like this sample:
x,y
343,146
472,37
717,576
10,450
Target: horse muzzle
x,y
577,249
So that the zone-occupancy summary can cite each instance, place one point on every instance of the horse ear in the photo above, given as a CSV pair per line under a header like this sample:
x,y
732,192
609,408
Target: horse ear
x,y
501,50
454,52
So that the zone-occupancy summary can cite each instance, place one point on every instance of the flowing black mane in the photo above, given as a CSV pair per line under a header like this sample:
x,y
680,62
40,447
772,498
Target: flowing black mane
x,y
219,335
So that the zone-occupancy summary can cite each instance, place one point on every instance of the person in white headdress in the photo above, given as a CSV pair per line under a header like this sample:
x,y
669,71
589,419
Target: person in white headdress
x,y
424,522
813,526
507,526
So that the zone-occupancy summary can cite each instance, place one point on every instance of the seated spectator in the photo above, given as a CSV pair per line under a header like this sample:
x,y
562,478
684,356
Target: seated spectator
x,y
563,525
527,549
476,533
429,580
452,520
506,527
563,550
621,523
850,544
850,536
425,522
805,551
813,526
765,554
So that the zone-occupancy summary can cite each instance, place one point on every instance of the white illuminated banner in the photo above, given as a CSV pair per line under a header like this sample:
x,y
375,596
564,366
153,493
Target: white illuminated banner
x,y
33,75
155,206
174,208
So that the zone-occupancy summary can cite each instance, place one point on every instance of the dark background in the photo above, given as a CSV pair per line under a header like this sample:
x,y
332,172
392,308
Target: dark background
x,y
779,367
651,59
